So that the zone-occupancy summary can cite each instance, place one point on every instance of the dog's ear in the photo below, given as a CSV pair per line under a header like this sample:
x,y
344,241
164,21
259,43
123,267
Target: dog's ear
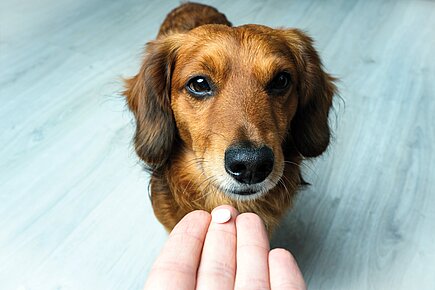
x,y
148,97
309,128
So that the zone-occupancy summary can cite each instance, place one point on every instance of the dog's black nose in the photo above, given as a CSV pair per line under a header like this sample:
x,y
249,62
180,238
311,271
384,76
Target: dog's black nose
x,y
248,164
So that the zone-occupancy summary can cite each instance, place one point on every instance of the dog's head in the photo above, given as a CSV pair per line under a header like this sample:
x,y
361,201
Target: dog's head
x,y
237,98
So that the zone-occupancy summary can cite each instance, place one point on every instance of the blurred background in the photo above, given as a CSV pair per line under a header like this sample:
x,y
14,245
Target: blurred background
x,y
74,206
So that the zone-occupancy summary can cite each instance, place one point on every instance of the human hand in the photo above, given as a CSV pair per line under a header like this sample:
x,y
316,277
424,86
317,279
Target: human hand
x,y
203,254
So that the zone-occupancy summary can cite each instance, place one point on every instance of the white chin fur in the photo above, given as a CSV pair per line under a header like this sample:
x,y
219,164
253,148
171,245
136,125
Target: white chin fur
x,y
230,187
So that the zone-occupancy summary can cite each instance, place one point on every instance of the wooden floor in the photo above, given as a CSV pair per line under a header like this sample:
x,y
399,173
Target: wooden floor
x,y
74,209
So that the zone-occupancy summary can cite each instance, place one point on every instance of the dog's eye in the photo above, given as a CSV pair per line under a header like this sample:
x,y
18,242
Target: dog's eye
x,y
198,86
279,83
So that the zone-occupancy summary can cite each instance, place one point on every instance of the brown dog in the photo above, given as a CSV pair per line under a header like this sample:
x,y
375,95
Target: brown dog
x,y
225,115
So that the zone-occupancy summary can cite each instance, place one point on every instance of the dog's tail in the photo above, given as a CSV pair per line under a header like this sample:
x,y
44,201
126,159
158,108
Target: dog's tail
x,y
190,15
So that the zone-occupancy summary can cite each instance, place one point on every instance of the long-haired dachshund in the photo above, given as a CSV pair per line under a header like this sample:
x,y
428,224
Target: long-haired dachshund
x,y
225,115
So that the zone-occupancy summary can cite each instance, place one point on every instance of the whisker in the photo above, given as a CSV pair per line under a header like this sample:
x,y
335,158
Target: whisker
x,y
290,182
205,193
190,182
194,161
303,165
291,162
308,166
283,184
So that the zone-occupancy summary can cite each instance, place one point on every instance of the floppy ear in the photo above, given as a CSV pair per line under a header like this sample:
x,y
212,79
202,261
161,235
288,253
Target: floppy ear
x,y
148,97
309,127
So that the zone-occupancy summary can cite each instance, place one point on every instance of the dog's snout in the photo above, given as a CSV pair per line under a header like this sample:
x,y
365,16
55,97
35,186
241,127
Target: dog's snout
x,y
248,164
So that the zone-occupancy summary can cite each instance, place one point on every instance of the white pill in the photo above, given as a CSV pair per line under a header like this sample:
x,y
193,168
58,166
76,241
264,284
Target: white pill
x,y
221,216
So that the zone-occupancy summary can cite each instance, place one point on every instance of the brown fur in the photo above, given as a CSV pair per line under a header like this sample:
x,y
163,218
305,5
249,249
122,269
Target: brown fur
x,y
190,15
183,139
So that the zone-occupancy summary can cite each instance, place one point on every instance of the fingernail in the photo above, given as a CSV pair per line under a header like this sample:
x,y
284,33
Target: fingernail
x,y
221,216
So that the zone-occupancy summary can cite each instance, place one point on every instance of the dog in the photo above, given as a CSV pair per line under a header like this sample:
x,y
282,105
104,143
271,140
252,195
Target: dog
x,y
226,115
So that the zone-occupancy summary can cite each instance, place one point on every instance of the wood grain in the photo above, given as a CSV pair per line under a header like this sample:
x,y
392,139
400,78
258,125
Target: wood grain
x,y
74,208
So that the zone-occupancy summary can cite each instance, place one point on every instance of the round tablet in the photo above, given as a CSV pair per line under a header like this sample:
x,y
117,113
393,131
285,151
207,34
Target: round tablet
x,y
221,216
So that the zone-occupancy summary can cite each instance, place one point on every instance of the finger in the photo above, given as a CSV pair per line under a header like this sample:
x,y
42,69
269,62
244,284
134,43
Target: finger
x,y
284,271
217,268
252,253
178,262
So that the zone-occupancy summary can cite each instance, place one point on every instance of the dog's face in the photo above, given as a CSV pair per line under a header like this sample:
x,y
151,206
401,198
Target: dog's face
x,y
236,98
233,100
